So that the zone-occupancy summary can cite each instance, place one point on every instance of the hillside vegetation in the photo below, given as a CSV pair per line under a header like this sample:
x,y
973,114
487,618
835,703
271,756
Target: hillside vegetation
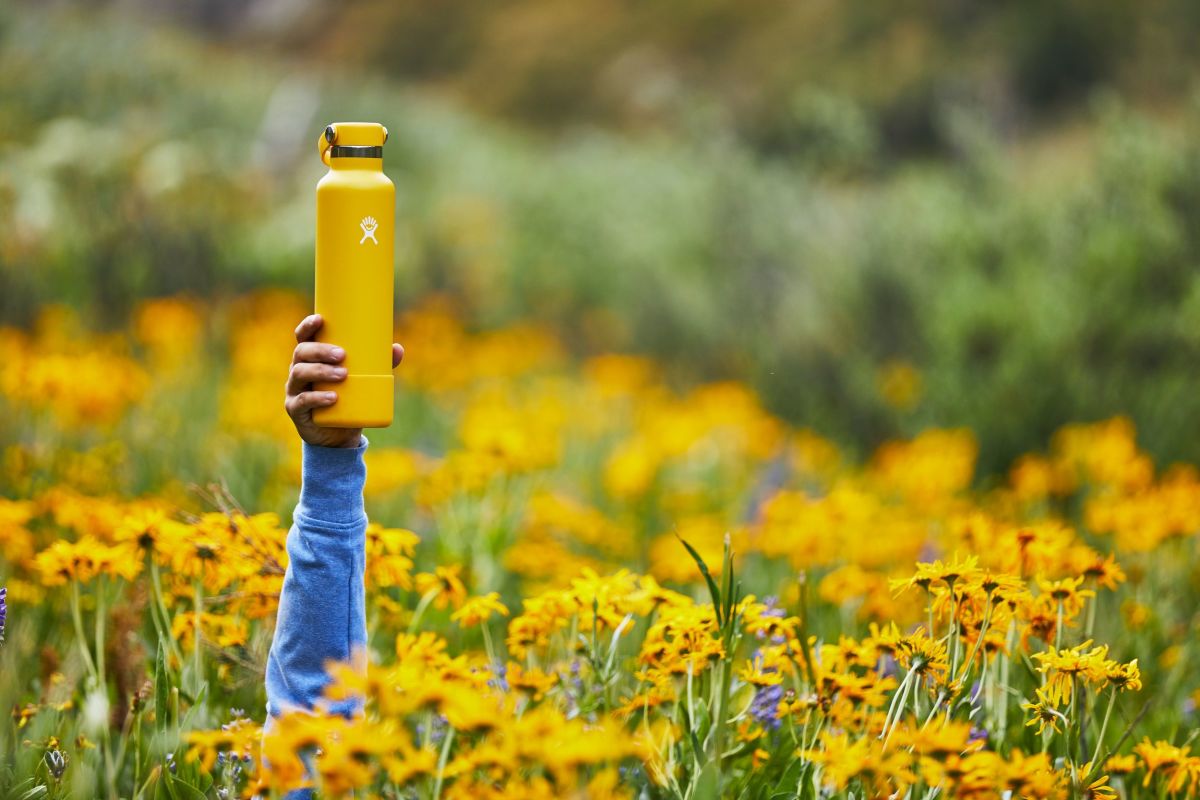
x,y
864,296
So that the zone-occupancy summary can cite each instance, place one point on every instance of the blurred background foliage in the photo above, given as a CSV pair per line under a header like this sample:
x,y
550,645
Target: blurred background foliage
x,y
884,216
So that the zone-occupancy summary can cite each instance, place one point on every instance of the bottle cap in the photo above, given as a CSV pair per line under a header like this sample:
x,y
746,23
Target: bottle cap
x,y
352,140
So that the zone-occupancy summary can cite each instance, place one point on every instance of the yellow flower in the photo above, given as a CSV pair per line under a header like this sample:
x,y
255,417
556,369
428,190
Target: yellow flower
x,y
928,469
1043,713
170,328
241,737
477,610
1105,571
409,764
1160,756
844,758
631,468
425,647
346,760
1123,676
467,710
1031,777
531,680
1097,789
16,541
1121,765
1067,593
1062,667
392,468
940,740
83,560
922,655
221,630
444,585
1035,477
389,556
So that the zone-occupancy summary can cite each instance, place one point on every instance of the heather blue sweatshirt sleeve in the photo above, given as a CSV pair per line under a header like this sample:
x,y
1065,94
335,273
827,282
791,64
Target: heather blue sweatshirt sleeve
x,y
322,606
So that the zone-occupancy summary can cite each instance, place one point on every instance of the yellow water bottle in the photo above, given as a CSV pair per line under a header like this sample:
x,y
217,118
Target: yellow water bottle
x,y
355,220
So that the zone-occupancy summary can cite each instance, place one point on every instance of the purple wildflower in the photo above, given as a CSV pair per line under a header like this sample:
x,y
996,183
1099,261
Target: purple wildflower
x,y
3,610
500,681
436,729
765,706
978,734
887,667
775,611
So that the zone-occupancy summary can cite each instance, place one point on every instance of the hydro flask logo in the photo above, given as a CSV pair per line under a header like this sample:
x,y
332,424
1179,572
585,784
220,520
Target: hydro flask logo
x,y
368,226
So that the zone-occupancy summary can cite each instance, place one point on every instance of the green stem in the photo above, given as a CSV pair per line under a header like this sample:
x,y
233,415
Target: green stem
x,y
954,633
929,610
137,748
197,643
487,644
1058,627
899,701
1073,720
726,679
1112,699
77,618
442,758
423,604
1091,617
987,617
100,614
936,705
691,703
161,604
1005,667
804,654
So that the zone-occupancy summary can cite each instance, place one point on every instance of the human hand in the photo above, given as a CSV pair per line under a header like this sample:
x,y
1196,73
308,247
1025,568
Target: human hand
x,y
319,362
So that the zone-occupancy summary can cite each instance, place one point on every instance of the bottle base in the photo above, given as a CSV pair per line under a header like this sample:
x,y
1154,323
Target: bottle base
x,y
364,401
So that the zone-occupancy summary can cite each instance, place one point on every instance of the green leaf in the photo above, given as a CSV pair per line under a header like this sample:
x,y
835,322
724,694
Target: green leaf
x,y
708,578
180,790
788,784
158,790
36,792
190,772
173,703
808,791
162,688
196,708
708,783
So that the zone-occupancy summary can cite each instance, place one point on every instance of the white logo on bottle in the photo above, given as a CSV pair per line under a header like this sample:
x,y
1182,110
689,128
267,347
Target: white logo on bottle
x,y
368,226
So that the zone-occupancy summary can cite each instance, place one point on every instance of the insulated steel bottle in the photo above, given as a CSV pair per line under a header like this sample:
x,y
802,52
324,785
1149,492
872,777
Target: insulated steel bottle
x,y
355,220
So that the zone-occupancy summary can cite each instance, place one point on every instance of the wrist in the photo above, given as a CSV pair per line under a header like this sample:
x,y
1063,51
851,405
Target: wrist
x,y
351,442
334,438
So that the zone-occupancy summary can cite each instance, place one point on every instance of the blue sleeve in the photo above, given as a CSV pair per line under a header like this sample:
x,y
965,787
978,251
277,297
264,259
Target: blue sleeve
x,y
322,606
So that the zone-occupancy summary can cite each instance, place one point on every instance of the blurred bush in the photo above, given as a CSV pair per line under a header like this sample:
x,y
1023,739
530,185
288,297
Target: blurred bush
x,y
1006,289
643,64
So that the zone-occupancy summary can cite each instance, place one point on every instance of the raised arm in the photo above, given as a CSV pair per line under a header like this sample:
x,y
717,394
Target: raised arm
x,y
321,614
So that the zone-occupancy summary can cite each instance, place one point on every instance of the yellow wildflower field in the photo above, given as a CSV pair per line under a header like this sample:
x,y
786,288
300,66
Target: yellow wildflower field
x,y
582,582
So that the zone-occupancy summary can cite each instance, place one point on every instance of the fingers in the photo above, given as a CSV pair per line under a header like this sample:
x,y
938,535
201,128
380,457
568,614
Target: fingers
x,y
308,351
308,327
298,405
318,353
305,373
